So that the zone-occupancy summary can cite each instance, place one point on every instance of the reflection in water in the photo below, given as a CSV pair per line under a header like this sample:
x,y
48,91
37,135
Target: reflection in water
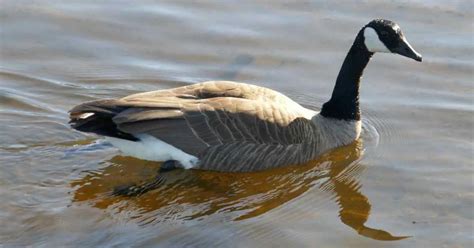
x,y
193,194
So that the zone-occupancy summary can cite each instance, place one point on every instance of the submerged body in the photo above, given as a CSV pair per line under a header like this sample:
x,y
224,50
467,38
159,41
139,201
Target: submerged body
x,y
230,126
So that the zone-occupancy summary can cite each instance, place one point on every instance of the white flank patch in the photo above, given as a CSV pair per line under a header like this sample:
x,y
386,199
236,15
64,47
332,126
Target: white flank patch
x,y
85,115
153,149
372,41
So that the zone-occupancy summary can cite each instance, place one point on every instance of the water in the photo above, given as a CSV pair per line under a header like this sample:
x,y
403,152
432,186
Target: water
x,y
409,180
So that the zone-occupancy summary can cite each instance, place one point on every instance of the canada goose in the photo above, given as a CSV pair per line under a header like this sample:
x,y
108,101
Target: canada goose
x,y
230,126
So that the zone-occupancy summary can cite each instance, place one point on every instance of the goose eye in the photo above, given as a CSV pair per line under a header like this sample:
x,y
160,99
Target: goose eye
x,y
383,33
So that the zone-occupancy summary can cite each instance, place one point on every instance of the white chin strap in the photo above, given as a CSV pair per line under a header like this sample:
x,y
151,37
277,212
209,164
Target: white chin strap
x,y
372,41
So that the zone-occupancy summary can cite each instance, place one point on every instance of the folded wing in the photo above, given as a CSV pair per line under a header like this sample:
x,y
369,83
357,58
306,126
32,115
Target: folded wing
x,y
222,123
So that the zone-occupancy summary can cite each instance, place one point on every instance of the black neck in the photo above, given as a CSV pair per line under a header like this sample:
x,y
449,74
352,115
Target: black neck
x,y
344,102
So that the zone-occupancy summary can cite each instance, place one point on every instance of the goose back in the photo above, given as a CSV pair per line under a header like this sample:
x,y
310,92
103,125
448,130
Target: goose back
x,y
229,126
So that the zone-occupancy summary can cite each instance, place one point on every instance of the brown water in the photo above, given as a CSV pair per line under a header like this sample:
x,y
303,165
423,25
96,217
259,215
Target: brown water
x,y
409,181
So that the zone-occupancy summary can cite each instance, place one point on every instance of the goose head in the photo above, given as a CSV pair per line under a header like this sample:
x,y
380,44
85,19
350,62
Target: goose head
x,y
386,36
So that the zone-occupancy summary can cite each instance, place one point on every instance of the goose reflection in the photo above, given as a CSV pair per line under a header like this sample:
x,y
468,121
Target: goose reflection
x,y
194,194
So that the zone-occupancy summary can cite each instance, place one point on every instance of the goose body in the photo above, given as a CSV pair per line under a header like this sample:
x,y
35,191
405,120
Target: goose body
x,y
231,126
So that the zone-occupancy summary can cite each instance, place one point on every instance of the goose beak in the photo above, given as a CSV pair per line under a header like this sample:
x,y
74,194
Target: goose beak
x,y
406,50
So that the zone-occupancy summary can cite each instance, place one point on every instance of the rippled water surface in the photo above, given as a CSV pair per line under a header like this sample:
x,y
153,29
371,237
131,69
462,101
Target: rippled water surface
x,y
407,183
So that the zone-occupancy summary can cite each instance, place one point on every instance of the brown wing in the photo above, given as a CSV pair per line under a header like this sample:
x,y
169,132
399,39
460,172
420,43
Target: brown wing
x,y
205,119
212,89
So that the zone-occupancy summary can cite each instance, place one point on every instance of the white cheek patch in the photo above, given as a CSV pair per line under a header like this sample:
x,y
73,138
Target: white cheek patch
x,y
372,41
396,28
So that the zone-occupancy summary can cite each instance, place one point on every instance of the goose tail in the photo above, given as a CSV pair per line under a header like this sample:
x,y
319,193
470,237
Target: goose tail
x,y
97,117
